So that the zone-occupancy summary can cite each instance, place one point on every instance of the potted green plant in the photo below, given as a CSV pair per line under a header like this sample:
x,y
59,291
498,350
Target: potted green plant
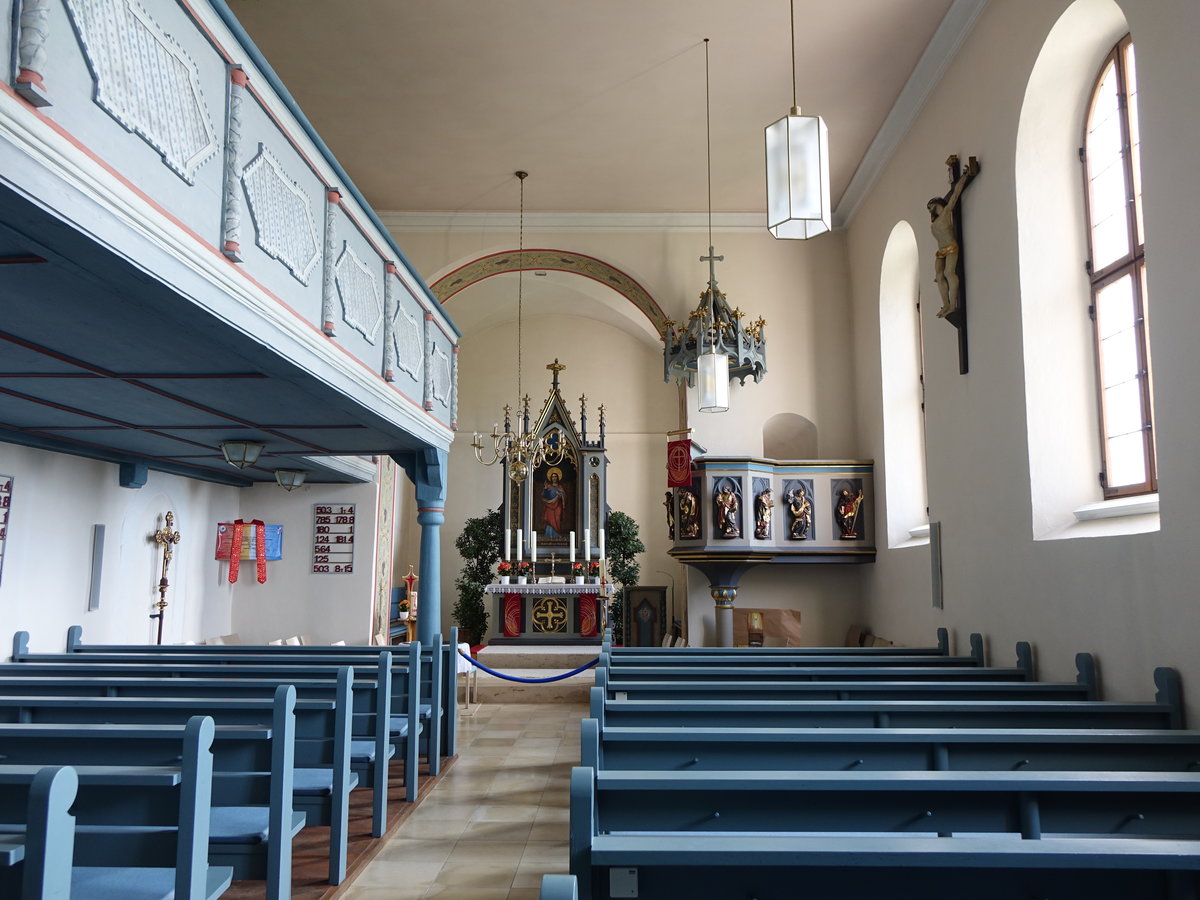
x,y
623,545
480,545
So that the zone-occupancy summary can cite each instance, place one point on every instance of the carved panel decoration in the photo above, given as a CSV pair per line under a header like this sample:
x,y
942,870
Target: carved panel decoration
x,y
358,289
439,364
406,337
798,496
727,508
282,214
847,499
549,615
146,81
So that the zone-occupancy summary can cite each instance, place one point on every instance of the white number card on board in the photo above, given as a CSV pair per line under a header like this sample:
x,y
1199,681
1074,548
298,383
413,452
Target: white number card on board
x,y
333,539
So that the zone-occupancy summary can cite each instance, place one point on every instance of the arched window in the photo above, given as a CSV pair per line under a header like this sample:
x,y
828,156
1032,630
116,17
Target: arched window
x,y
1111,157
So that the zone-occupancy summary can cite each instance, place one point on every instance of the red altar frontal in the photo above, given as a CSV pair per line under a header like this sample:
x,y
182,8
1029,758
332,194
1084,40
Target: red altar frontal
x,y
548,613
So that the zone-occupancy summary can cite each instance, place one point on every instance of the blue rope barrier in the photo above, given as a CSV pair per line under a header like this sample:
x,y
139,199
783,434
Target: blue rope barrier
x,y
480,665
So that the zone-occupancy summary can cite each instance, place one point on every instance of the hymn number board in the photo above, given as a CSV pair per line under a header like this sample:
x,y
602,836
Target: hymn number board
x,y
333,539
6,483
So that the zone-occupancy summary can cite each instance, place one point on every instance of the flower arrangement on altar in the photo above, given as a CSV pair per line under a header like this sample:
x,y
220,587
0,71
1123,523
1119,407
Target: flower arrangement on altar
x,y
524,568
594,569
505,567
577,568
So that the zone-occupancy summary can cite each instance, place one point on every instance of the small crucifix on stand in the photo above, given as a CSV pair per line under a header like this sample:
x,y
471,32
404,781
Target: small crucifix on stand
x,y
166,538
948,271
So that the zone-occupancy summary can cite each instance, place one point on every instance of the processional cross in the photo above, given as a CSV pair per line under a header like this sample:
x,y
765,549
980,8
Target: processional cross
x,y
166,538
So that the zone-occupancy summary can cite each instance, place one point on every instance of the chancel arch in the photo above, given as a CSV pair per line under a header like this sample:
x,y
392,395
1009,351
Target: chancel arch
x,y
543,261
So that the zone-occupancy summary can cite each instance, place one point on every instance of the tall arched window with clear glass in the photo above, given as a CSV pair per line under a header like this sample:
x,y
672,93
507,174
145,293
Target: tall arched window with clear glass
x,y
1111,158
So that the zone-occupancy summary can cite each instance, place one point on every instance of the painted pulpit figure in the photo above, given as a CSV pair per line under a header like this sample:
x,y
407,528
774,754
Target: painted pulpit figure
x,y
669,503
764,503
689,518
800,508
847,514
727,513
946,231
554,499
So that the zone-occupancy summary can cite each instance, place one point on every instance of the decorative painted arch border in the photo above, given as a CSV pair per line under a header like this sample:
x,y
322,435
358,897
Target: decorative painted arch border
x,y
557,260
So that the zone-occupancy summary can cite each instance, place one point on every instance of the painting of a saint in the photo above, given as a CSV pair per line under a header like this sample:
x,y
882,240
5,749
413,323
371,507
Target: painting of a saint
x,y
554,503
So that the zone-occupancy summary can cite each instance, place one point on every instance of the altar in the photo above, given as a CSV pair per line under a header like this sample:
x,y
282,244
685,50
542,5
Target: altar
x,y
550,613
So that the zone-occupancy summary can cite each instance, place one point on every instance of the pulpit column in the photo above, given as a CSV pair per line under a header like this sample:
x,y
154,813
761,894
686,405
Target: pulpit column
x,y
723,597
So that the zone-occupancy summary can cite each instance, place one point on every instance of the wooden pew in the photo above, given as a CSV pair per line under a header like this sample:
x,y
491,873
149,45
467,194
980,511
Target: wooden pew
x,y
437,670
372,721
35,858
129,820
256,844
289,659
322,779
284,667
698,832
1166,711
942,648
871,749
852,668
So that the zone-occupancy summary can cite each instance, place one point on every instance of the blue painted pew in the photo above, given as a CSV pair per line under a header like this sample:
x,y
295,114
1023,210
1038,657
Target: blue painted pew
x,y
322,778
734,689
559,887
789,656
130,820
35,862
284,667
854,668
372,720
1030,804
288,659
438,668
704,834
252,824
1166,711
868,749
942,648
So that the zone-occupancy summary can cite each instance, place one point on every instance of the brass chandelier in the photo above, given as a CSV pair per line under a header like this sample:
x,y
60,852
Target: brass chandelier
x,y
522,450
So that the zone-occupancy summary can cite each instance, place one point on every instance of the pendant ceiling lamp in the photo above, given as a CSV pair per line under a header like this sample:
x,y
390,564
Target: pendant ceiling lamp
x,y
521,451
798,205
713,346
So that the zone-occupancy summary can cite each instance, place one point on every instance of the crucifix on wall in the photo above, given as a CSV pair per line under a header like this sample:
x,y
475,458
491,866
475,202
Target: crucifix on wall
x,y
948,270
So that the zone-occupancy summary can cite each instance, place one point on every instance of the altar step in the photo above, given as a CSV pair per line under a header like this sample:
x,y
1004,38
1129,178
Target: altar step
x,y
535,662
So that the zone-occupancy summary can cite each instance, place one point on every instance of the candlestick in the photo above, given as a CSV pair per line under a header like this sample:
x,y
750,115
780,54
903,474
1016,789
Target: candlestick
x,y
507,544
572,546
519,545
587,545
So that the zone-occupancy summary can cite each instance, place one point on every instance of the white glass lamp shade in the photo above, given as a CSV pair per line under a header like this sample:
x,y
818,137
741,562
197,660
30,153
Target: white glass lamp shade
x,y
798,176
290,479
241,453
712,379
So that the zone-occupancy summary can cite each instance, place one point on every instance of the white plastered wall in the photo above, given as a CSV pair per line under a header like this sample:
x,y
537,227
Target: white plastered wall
x,y
1129,599
46,580
613,356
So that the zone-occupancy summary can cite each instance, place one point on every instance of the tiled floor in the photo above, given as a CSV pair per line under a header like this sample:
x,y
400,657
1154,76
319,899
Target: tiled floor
x,y
496,822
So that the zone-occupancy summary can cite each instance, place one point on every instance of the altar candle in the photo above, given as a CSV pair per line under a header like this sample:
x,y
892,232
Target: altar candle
x,y
533,545
519,544
508,544
572,546
587,545
601,545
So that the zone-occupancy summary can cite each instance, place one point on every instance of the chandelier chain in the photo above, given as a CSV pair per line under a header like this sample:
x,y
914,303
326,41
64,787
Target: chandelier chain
x,y
520,289
708,138
792,32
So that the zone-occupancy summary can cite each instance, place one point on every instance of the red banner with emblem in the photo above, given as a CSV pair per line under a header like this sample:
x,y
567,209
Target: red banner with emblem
x,y
679,463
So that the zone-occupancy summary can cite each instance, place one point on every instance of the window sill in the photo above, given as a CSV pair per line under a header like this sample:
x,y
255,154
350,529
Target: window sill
x,y
1123,507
